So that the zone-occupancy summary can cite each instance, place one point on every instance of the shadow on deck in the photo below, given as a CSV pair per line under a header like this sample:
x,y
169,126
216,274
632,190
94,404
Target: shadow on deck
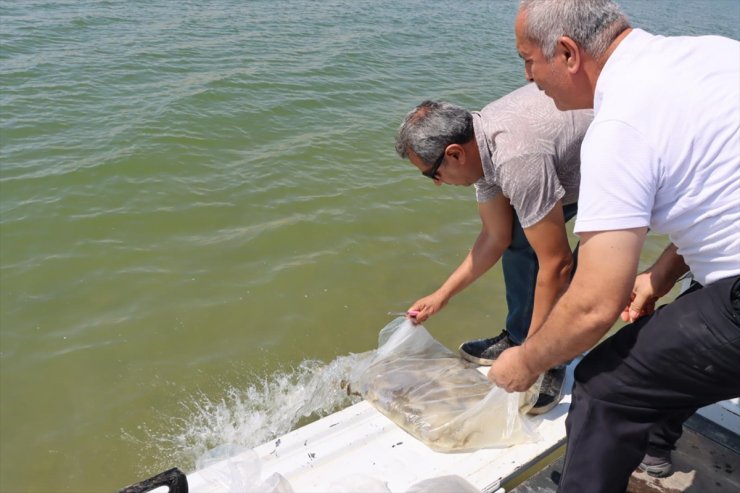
x,y
707,459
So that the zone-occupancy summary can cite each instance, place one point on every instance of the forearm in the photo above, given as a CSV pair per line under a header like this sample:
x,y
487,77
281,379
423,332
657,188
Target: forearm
x,y
549,241
484,255
493,239
552,281
584,313
574,326
589,307
669,267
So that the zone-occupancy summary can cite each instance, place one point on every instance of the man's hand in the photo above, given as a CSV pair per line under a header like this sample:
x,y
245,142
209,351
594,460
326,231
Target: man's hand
x,y
510,372
642,300
654,283
428,306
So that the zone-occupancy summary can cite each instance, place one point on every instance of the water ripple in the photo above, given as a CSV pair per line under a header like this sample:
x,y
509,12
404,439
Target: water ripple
x,y
187,184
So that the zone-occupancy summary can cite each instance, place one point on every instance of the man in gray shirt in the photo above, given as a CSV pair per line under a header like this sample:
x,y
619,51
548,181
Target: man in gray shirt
x,y
523,156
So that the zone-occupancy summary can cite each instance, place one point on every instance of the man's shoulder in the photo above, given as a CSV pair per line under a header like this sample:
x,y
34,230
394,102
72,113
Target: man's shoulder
x,y
529,111
525,124
527,95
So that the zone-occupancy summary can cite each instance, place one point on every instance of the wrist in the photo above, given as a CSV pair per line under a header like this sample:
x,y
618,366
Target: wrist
x,y
445,293
528,358
658,280
669,267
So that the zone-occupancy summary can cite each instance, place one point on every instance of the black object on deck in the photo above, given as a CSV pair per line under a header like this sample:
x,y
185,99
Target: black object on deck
x,y
173,478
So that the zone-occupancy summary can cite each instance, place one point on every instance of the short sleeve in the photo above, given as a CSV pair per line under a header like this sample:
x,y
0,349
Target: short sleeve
x,y
485,191
619,179
531,184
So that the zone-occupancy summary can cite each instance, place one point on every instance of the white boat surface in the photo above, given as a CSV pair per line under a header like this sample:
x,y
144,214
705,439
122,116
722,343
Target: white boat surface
x,y
360,442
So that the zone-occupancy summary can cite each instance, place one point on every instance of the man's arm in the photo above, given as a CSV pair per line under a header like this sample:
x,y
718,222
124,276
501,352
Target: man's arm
x,y
495,237
599,291
549,241
654,283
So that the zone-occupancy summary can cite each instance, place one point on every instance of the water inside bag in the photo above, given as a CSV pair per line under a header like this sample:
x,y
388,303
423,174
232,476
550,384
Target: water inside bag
x,y
439,398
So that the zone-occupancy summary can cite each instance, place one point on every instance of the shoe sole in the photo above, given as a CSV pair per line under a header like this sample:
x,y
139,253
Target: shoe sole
x,y
657,471
473,359
536,411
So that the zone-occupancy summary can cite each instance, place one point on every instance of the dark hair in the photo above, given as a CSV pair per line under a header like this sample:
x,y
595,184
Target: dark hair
x,y
430,127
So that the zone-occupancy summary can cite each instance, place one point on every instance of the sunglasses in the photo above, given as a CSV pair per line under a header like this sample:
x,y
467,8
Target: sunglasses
x,y
432,173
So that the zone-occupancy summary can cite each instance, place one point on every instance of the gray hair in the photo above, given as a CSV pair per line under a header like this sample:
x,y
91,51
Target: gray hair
x,y
593,24
430,127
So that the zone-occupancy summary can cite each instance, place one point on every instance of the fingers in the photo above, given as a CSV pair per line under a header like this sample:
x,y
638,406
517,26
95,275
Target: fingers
x,y
423,315
625,315
642,300
426,307
413,315
638,309
418,313
422,310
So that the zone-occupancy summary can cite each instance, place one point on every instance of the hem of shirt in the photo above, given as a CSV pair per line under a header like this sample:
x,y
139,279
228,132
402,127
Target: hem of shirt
x,y
609,224
542,212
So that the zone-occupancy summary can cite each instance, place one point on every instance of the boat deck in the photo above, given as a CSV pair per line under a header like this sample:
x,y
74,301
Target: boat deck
x,y
359,442
340,451
707,459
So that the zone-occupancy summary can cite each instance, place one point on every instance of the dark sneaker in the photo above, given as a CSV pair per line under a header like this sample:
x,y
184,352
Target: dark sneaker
x,y
551,391
657,463
484,351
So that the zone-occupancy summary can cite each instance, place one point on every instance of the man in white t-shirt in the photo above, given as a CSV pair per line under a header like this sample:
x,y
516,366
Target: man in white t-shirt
x,y
523,156
663,152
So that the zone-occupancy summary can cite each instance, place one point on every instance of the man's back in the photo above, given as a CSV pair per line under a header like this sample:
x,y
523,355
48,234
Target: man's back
x,y
668,115
530,150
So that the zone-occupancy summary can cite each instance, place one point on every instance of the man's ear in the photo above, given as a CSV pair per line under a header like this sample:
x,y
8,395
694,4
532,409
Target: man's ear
x,y
456,152
571,53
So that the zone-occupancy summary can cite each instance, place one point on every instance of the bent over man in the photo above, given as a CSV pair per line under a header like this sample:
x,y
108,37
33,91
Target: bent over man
x,y
522,155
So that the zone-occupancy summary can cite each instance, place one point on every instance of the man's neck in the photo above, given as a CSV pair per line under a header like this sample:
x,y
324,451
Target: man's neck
x,y
594,66
601,61
472,152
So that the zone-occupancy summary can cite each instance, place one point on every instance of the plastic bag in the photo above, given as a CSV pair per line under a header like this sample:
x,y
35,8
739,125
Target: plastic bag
x,y
234,469
443,484
359,483
439,398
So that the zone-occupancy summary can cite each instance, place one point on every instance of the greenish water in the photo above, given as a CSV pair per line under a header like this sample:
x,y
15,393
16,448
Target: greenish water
x,y
200,203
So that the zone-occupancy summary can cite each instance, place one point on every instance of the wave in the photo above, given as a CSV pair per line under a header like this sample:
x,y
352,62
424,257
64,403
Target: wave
x,y
246,417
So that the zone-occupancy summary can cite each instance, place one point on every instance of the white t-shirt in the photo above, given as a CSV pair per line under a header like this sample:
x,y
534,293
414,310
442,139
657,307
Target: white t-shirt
x,y
664,148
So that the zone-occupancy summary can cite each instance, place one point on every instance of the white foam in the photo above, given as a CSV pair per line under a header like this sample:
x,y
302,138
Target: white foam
x,y
250,416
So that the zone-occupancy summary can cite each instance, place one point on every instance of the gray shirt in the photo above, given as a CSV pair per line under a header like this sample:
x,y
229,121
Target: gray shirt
x,y
530,152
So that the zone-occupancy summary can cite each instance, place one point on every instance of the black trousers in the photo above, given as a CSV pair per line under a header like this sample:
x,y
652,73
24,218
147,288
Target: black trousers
x,y
650,375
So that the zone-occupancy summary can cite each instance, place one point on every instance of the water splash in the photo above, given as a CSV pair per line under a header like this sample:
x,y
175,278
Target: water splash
x,y
248,417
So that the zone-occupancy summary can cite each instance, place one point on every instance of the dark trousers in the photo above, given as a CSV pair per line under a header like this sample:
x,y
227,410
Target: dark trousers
x,y
650,375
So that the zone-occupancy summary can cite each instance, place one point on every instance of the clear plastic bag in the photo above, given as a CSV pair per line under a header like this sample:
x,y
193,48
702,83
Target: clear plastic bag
x,y
439,398
234,469
443,484
359,483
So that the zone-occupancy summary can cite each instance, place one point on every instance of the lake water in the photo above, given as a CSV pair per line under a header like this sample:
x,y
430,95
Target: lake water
x,y
202,214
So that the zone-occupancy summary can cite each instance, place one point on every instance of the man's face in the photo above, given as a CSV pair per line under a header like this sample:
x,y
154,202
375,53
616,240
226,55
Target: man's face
x,y
551,76
450,171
